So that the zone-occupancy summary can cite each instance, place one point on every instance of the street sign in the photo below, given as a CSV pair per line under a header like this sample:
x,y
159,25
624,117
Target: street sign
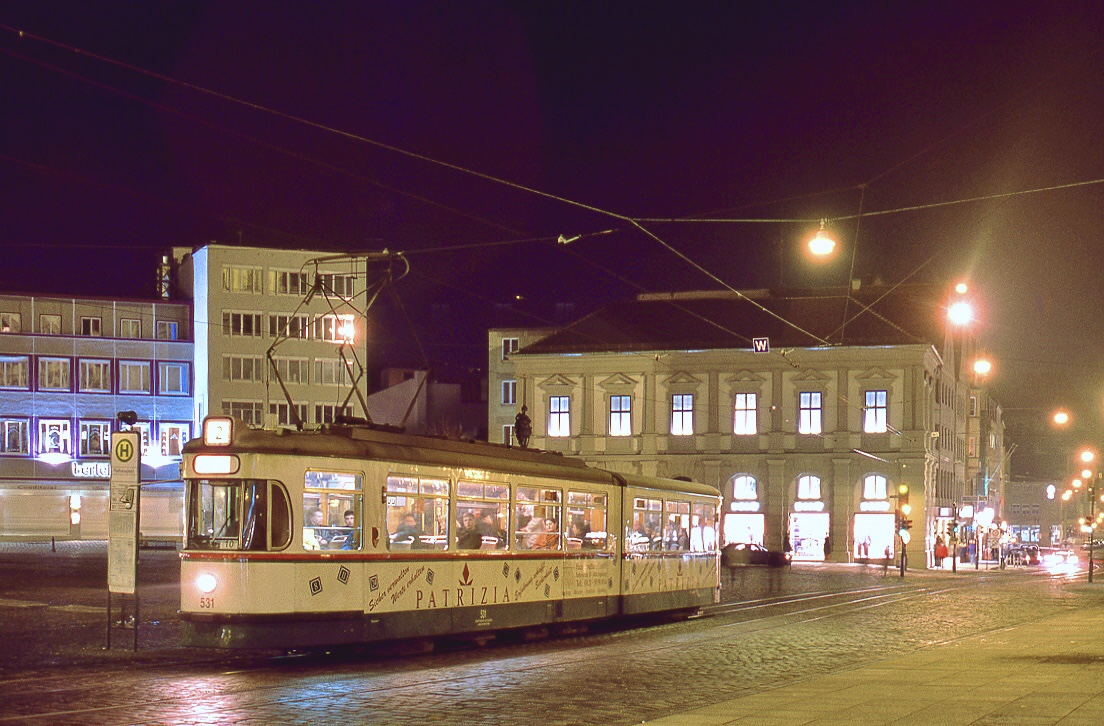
x,y
123,512
760,345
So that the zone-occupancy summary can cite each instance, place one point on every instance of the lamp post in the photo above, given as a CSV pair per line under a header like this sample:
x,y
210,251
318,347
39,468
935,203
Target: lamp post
x,y
1092,490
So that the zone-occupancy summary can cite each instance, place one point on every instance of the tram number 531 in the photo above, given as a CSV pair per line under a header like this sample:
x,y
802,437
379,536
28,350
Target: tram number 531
x,y
207,603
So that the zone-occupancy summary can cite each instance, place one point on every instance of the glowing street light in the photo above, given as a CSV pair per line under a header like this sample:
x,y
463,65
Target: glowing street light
x,y
960,313
1087,455
961,288
822,244
983,366
1061,418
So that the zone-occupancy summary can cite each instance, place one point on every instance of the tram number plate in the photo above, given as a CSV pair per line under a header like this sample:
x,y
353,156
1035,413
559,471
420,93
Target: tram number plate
x,y
207,603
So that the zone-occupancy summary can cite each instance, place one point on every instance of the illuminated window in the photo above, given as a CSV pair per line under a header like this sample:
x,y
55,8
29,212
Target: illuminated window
x,y
808,487
95,375
417,513
875,420
620,416
237,278
703,530
332,511
559,416
488,506
337,328
971,446
134,377
508,434
173,379
509,345
54,436
49,324
745,488
53,374
90,326
509,393
538,518
809,413
13,436
646,532
585,524
166,330
173,437
13,371
682,414
745,419
874,487
10,323
130,328
288,283
95,438
676,526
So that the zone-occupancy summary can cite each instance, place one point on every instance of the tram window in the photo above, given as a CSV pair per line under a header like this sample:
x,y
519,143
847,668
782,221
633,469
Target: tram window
x,y
237,514
213,520
703,528
280,524
586,521
328,496
538,518
417,513
646,533
488,505
676,527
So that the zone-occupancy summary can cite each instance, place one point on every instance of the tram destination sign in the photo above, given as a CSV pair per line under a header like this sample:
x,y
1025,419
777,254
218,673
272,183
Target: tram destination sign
x,y
123,513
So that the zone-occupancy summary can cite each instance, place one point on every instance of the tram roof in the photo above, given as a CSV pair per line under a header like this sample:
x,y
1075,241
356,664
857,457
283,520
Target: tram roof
x,y
359,442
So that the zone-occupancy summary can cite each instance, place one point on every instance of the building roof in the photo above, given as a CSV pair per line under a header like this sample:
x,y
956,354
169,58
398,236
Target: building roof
x,y
875,315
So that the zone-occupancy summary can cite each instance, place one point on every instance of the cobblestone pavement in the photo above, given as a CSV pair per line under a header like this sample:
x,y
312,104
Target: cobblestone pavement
x,y
52,664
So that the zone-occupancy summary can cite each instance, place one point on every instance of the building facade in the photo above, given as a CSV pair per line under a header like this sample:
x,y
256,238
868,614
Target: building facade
x,y
809,434
68,368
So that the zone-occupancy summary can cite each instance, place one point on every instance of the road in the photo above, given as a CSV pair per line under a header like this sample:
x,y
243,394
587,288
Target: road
x,y
772,628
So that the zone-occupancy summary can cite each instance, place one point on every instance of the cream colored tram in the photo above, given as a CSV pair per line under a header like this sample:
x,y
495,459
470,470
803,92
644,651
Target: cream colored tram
x,y
354,534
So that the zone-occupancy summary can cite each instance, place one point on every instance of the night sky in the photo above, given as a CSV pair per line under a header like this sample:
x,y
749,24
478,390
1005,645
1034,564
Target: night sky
x,y
923,131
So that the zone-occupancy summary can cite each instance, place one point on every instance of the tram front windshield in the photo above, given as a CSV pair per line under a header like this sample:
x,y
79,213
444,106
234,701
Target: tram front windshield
x,y
236,514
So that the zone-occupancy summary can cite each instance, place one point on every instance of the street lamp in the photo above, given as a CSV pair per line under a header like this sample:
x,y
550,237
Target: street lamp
x,y
822,244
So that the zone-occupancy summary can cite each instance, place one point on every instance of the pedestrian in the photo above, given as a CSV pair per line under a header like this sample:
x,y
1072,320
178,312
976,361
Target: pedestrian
x,y
886,561
827,546
940,552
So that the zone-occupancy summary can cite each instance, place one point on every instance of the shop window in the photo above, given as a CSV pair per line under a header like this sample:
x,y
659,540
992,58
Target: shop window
x,y
13,436
95,438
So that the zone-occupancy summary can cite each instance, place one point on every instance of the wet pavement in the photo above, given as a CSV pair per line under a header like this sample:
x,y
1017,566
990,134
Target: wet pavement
x,y
810,644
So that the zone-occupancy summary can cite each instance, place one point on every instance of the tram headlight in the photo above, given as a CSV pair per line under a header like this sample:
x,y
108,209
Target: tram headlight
x,y
206,583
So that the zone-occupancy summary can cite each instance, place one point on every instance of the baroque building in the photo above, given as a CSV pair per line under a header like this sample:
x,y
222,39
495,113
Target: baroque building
x,y
808,410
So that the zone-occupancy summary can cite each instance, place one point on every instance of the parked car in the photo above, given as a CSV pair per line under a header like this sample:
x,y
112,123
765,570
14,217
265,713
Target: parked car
x,y
740,554
1025,555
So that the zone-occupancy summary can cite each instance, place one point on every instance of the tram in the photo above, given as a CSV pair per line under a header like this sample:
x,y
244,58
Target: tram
x,y
358,534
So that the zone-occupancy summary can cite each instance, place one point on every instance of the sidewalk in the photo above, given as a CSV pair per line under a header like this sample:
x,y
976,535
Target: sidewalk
x,y
1047,672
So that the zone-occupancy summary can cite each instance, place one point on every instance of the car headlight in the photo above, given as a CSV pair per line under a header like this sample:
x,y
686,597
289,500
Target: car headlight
x,y
206,582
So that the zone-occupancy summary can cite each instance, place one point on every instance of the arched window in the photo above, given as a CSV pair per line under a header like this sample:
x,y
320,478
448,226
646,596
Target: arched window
x,y
808,487
874,487
744,487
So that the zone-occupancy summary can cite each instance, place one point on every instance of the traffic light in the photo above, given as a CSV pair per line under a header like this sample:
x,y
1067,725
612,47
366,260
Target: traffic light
x,y
903,497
